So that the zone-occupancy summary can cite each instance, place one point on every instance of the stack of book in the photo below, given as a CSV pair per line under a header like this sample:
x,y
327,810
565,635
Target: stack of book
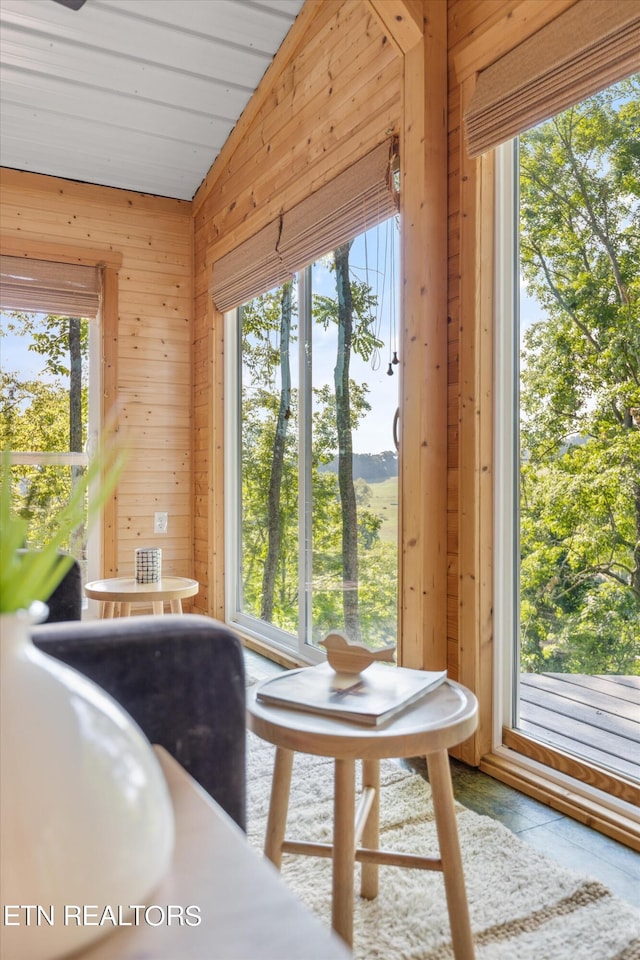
x,y
370,697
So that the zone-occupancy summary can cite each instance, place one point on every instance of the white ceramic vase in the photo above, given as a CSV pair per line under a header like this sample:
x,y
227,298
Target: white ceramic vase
x,y
86,817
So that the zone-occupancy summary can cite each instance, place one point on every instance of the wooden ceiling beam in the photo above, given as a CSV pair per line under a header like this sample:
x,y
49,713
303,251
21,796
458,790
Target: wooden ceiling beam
x,y
402,20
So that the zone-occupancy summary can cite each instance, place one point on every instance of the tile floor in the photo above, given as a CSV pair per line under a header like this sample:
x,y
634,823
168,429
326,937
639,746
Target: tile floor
x,y
565,840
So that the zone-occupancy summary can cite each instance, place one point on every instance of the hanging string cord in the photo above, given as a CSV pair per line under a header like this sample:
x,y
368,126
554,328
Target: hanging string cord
x,y
375,353
383,297
394,306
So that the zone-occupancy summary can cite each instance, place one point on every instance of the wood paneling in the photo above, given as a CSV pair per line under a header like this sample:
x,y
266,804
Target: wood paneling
x,y
146,245
423,441
402,20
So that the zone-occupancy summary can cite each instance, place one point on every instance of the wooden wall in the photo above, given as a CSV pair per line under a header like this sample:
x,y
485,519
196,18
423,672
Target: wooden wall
x,y
333,93
478,33
147,348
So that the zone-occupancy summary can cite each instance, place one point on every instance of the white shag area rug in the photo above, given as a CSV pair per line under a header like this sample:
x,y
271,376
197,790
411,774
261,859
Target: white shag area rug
x,y
523,906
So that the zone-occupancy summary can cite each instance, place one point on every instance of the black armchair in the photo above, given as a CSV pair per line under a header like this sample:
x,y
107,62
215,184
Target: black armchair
x,y
181,677
65,603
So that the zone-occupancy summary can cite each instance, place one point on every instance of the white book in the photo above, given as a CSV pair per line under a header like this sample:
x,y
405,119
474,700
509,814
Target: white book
x,y
370,697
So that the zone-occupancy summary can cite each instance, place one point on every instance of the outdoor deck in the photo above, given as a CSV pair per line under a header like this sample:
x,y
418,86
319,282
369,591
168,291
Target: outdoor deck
x,y
597,718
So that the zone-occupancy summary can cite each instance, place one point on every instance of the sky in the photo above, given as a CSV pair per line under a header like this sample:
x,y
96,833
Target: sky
x,y
375,432
530,309
15,355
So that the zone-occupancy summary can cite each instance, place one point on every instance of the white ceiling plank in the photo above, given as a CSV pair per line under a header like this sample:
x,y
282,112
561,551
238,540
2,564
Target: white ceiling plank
x,y
105,170
73,100
146,41
232,21
192,57
124,145
104,71
290,8
138,94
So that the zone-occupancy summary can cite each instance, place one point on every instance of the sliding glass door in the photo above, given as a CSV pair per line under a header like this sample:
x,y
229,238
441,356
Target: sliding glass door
x,y
568,429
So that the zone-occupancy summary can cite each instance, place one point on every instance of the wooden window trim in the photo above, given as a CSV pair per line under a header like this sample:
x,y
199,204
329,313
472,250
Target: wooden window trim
x,y
586,800
572,766
60,252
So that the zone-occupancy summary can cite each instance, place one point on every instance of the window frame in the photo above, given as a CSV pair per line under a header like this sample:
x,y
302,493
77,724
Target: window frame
x,y
301,645
506,532
573,785
109,262
252,626
69,458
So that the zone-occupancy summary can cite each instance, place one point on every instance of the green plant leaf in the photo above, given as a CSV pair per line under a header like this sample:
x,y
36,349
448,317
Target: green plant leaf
x,y
34,574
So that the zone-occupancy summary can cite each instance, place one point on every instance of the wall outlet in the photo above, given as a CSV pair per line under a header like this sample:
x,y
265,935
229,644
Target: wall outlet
x,y
160,522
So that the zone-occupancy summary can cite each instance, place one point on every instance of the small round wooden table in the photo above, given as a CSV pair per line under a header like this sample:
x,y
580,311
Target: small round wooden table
x,y
126,590
444,717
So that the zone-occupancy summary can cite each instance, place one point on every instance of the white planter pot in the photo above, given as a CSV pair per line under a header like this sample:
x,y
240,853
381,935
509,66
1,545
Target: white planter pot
x,y
86,818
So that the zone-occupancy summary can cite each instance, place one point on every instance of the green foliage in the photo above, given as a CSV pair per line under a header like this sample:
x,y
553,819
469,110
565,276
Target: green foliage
x,y
580,388
364,301
259,413
35,417
34,414
383,501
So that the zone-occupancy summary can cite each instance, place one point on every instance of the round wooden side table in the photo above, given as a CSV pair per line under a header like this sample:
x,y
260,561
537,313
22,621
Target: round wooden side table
x,y
126,590
428,728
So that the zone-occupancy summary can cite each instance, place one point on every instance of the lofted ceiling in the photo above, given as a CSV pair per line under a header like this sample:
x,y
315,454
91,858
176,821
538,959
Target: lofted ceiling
x,y
138,94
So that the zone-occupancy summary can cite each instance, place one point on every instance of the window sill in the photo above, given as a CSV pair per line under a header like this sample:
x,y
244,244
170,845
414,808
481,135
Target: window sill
x,y
267,650
600,811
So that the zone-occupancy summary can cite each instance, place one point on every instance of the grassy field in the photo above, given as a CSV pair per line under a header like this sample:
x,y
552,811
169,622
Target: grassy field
x,y
384,502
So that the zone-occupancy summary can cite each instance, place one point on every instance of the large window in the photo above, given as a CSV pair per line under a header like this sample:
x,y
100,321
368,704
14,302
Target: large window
x,y
47,409
313,480
568,621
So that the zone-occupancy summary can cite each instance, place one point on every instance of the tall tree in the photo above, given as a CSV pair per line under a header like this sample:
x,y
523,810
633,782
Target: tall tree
x,y
275,520
34,416
63,343
352,311
580,477
348,505
269,472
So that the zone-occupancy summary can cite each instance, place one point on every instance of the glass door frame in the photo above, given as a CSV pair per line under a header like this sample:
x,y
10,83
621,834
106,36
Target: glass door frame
x,y
258,629
574,783
506,433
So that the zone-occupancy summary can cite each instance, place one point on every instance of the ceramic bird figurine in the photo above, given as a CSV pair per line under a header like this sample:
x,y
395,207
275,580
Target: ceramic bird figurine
x,y
347,657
